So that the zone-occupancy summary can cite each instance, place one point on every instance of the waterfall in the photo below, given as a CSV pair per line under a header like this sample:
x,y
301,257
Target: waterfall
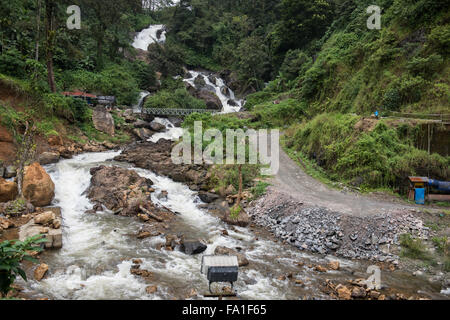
x,y
148,36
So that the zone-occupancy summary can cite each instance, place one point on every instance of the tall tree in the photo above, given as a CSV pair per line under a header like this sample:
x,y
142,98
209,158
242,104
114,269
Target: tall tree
x,y
50,41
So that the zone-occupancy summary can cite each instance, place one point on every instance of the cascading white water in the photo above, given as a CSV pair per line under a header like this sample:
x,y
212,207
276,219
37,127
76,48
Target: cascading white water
x,y
148,36
94,262
172,133
219,86
138,107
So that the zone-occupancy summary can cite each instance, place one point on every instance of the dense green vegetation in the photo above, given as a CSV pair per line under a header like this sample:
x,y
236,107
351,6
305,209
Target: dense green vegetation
x,y
41,57
328,72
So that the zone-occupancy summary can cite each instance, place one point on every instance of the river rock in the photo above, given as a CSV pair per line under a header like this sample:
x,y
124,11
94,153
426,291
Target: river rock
x,y
242,220
143,133
8,190
40,271
192,247
334,265
211,99
48,158
45,218
119,189
142,124
199,81
5,223
177,122
157,127
151,289
103,120
38,187
10,172
343,292
358,292
161,162
49,226
207,197
242,259
232,103
225,91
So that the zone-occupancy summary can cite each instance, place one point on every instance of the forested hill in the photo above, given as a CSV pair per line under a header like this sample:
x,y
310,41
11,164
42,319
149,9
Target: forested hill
x,y
322,51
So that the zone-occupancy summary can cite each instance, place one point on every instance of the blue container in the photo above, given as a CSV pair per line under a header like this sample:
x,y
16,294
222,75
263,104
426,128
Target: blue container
x,y
419,195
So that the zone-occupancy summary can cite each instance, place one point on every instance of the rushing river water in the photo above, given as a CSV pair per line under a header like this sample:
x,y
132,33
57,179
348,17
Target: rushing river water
x,y
95,260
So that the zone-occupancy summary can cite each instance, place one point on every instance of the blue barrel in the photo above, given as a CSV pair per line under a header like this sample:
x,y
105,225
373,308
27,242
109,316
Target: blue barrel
x,y
440,185
419,195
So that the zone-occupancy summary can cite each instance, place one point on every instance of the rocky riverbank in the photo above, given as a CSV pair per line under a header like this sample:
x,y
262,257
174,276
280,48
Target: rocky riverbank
x,y
323,231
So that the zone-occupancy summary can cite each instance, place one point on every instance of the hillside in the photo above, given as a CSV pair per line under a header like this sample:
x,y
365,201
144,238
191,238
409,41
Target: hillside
x,y
330,83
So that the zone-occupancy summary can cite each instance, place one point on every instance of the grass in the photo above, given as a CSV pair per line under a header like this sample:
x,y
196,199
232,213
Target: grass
x,y
259,189
441,244
414,248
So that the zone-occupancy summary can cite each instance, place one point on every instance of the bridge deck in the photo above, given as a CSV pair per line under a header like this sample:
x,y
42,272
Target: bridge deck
x,y
175,112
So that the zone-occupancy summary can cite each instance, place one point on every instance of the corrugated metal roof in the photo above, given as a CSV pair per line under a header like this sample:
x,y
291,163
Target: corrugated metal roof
x,y
218,261
418,179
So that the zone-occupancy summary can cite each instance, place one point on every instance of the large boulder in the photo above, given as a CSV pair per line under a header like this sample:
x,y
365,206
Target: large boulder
x,y
119,189
8,190
142,124
157,158
241,220
192,247
103,120
158,127
48,224
48,157
211,99
38,187
142,133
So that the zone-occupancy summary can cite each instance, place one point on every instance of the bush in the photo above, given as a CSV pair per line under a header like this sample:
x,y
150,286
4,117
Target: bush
x,y
282,114
425,67
180,99
12,252
12,63
440,38
296,62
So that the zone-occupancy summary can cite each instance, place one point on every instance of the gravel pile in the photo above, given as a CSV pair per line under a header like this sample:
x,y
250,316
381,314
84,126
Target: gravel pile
x,y
323,231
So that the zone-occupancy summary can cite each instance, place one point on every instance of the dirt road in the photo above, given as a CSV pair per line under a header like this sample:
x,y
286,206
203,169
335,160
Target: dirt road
x,y
293,181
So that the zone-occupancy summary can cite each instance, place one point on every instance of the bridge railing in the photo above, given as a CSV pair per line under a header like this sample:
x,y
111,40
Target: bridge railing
x,y
174,112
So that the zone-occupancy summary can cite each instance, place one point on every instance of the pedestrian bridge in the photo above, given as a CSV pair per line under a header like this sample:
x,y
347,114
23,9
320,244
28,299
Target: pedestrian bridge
x,y
174,112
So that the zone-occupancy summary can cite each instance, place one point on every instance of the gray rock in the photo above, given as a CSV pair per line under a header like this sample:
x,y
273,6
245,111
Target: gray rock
x,y
157,127
103,120
207,197
192,247
142,124
48,158
10,172
143,133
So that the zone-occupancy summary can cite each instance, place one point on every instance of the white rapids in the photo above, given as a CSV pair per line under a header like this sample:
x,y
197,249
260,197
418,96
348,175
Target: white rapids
x,y
225,94
148,36
95,260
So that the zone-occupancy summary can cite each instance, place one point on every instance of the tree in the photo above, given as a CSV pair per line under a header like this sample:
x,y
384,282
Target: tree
x,y
302,21
50,41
